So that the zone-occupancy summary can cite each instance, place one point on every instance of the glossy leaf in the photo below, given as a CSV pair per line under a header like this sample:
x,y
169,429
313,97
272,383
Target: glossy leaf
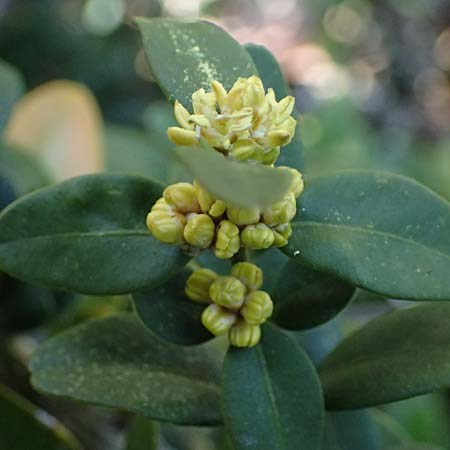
x,y
407,352
12,86
270,73
116,362
170,314
185,56
24,426
142,434
240,184
271,396
382,232
87,234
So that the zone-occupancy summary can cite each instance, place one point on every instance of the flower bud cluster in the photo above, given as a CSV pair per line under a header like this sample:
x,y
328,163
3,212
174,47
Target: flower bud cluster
x,y
188,214
236,305
245,123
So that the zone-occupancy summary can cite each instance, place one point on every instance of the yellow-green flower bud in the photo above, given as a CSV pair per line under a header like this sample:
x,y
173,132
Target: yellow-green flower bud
x,y
257,237
228,292
242,334
182,115
204,198
281,212
161,205
244,149
297,181
258,307
166,226
227,240
218,320
282,233
269,158
199,231
198,284
249,274
180,136
218,208
181,197
243,216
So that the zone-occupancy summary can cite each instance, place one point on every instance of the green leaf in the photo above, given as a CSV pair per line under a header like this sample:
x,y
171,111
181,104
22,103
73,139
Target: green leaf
x,y
382,232
185,56
271,396
170,314
270,72
396,356
142,434
12,86
241,184
25,427
116,362
87,234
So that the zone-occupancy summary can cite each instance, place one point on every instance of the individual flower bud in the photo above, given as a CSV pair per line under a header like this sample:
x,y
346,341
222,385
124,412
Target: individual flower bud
x,y
199,231
181,197
166,226
204,198
297,181
276,138
270,157
281,234
180,136
218,320
257,237
218,208
258,307
161,205
249,274
198,283
243,216
244,149
182,115
219,92
227,240
281,212
228,292
242,334
199,120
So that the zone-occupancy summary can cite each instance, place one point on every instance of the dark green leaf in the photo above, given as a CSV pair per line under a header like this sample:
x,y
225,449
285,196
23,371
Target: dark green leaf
x,y
382,232
272,77
142,434
87,234
23,426
185,56
170,314
116,362
271,396
12,86
398,355
240,184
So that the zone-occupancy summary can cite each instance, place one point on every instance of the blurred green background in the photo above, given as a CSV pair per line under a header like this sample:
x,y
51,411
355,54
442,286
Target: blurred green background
x,y
372,84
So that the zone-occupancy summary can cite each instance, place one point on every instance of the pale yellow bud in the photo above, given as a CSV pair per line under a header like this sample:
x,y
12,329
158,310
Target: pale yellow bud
x,y
249,274
166,226
199,231
219,91
161,205
297,181
270,157
203,103
218,208
181,197
227,240
243,216
180,136
204,198
282,233
217,320
285,108
242,334
258,307
198,283
245,149
182,115
275,138
281,212
228,292
199,120
257,237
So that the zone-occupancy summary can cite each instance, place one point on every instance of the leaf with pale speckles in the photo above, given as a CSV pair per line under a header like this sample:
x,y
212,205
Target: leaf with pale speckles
x,y
88,235
271,396
379,231
398,355
116,362
185,56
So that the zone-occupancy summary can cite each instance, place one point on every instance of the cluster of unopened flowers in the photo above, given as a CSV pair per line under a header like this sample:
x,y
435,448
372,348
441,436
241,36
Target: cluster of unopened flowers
x,y
245,124
236,305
